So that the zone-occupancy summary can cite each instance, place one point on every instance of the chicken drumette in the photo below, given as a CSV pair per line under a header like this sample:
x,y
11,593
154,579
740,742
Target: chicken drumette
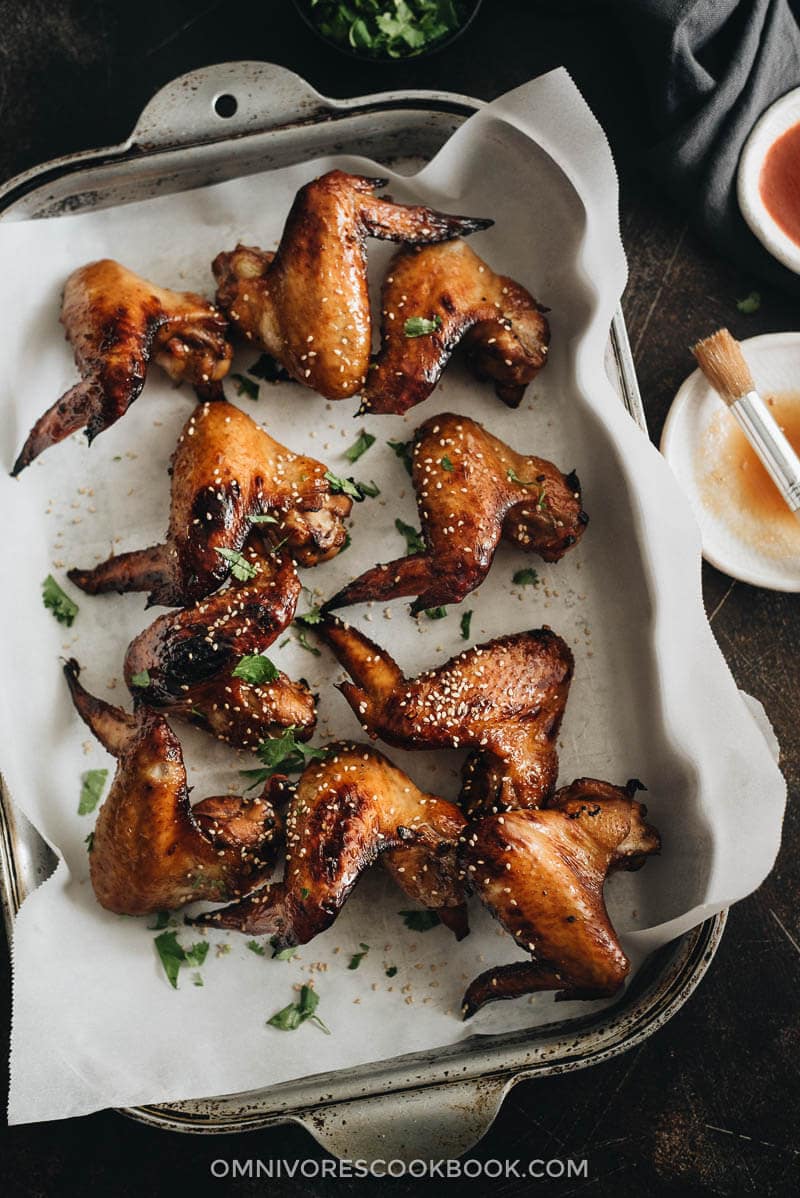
x,y
504,700
118,323
346,811
185,663
472,490
307,304
227,474
432,299
541,874
151,851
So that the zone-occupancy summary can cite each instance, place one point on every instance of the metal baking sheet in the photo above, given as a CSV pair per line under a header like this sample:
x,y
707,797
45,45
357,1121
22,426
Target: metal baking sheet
x,y
442,1100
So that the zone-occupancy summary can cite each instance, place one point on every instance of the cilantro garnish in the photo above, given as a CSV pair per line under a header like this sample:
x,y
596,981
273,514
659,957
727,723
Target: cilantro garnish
x,y
404,450
162,921
58,602
357,958
142,679
291,1016
391,971
89,842
420,326
414,541
362,443
246,386
750,303
387,30
263,519
348,486
525,578
282,754
173,955
256,669
256,948
436,613
304,643
241,568
91,790
420,921
283,954
446,464
310,618
466,620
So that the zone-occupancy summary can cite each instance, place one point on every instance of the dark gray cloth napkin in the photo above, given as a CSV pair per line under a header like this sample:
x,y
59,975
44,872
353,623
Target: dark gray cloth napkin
x,y
712,68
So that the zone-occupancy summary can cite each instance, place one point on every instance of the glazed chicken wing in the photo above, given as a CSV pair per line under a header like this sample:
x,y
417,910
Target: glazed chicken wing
x,y
226,471
118,323
503,329
541,874
505,700
307,304
472,489
151,851
345,812
187,658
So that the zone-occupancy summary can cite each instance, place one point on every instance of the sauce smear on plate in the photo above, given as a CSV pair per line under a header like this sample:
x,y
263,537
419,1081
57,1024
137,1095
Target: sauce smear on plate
x,y
736,486
779,182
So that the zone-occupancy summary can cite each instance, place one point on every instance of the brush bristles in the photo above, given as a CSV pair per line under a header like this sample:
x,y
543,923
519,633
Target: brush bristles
x,y
721,360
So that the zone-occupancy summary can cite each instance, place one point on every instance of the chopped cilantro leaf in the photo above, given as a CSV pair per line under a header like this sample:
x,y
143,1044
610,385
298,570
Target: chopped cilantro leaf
x,y
91,790
304,643
310,618
391,971
466,620
436,613
141,680
246,386
283,954
387,30
241,568
357,958
89,842
63,608
173,955
291,1016
256,669
360,446
420,326
750,303
256,948
525,578
420,920
282,754
446,464
414,541
348,486
404,450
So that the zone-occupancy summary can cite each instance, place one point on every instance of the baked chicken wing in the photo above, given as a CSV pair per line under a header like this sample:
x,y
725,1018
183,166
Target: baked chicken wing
x,y
184,664
472,489
118,323
504,700
541,874
307,304
344,813
450,291
227,473
151,851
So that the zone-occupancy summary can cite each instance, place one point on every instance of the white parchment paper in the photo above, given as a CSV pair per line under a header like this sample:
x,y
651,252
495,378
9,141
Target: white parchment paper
x,y
95,1022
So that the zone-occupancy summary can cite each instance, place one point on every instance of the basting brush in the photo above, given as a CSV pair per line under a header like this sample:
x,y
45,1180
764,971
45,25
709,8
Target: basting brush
x,y
721,360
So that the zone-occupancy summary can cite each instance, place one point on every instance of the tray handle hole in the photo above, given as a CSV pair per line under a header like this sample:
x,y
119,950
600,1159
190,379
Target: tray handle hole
x,y
226,105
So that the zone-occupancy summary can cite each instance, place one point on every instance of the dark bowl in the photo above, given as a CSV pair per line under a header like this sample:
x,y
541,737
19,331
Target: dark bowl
x,y
304,10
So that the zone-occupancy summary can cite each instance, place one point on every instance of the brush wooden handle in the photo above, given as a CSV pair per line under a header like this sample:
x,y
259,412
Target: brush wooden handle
x,y
770,443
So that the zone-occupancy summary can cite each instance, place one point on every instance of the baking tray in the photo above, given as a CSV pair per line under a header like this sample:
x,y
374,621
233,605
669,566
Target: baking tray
x,y
435,1104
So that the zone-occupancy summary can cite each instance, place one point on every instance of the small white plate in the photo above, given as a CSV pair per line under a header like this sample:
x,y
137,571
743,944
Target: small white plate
x,y
708,454
776,120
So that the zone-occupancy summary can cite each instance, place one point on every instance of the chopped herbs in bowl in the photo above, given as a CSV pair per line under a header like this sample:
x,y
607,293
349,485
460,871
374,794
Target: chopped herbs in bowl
x,y
387,29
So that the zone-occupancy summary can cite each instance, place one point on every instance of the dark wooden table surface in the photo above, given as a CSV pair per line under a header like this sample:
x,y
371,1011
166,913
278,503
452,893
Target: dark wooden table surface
x,y
710,1104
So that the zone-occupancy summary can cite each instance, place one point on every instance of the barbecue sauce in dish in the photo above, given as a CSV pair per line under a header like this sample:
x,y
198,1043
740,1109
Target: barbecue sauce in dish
x,y
736,486
779,182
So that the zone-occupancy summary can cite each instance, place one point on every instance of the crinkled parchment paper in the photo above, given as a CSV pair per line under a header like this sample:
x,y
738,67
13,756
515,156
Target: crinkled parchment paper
x,y
95,1022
